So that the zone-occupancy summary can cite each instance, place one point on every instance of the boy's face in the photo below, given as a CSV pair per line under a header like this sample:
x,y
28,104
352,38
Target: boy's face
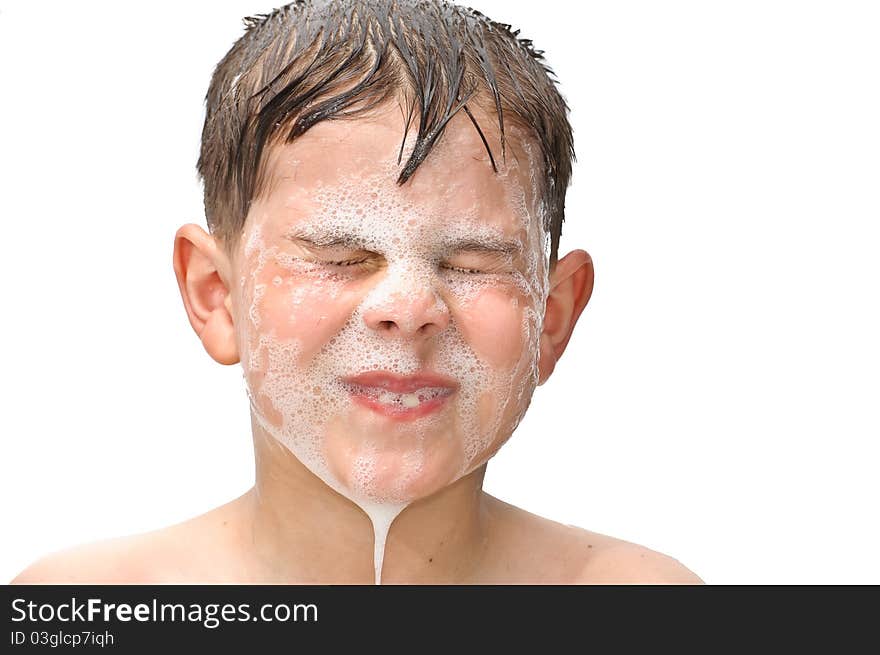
x,y
389,334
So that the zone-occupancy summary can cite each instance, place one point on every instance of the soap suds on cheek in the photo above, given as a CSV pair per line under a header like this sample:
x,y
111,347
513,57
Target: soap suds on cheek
x,y
307,326
524,311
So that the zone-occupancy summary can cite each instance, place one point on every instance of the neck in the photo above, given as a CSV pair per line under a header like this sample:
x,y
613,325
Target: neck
x,y
305,532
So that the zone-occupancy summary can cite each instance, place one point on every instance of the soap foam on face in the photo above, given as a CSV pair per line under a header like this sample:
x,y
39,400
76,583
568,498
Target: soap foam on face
x,y
307,325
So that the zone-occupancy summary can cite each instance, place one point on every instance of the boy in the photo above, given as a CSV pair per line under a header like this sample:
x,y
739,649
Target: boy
x,y
384,186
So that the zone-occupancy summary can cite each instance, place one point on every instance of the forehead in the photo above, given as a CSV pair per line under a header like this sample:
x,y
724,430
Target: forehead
x,y
344,161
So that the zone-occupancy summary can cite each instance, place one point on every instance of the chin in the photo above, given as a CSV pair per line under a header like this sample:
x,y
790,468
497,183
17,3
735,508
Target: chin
x,y
395,475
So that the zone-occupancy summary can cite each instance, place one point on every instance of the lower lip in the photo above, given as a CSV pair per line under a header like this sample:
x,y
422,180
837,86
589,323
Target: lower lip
x,y
401,413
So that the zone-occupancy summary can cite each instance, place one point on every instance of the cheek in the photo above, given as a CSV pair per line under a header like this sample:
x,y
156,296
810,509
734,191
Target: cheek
x,y
287,320
309,310
493,324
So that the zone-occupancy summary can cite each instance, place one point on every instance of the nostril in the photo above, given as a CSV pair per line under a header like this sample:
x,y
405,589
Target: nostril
x,y
386,325
429,329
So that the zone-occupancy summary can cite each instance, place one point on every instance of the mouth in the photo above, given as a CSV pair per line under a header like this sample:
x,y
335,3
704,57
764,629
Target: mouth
x,y
402,398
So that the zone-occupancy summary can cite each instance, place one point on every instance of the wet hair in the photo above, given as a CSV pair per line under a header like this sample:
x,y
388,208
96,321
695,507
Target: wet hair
x,y
315,60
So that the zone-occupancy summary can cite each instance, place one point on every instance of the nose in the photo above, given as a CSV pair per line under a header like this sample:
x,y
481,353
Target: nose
x,y
399,309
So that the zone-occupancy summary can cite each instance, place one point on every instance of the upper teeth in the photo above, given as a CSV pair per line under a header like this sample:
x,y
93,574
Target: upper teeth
x,y
405,399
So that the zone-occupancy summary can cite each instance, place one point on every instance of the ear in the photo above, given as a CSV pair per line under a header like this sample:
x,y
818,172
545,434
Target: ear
x,y
571,284
203,271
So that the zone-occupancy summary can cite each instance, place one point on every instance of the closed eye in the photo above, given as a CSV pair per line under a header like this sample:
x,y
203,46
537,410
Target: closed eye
x,y
475,263
348,262
459,269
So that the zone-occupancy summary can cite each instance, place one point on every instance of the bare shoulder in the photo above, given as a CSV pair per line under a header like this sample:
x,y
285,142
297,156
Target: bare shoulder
x,y
622,562
539,550
112,561
168,555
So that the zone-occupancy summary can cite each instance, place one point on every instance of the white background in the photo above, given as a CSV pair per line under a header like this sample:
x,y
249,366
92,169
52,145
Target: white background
x,y
719,399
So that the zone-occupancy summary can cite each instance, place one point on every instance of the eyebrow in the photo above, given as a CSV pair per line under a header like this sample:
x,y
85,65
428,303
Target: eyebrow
x,y
484,244
322,240
349,241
